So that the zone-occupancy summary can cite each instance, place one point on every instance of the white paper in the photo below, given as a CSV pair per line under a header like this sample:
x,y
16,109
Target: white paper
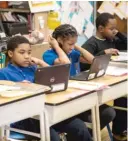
x,y
121,10
89,30
116,71
123,56
77,22
100,73
58,87
8,88
89,86
107,6
86,8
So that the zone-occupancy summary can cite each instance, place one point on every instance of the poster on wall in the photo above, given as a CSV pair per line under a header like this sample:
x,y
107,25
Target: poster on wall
x,y
80,14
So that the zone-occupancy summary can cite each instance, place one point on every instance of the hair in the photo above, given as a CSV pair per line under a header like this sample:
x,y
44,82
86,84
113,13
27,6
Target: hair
x,y
15,41
103,19
65,31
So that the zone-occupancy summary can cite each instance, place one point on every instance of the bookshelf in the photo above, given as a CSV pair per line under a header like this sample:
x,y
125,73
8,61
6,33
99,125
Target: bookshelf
x,y
14,10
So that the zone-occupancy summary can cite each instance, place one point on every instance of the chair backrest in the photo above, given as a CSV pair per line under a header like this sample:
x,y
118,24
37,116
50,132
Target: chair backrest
x,y
2,60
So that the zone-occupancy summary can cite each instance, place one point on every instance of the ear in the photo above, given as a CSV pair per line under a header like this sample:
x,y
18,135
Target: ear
x,y
101,28
60,41
10,53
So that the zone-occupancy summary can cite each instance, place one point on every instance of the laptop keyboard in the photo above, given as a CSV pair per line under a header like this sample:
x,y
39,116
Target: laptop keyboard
x,y
80,76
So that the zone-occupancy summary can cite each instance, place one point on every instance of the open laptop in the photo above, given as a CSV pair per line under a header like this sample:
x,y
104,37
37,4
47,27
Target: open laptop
x,y
97,69
55,77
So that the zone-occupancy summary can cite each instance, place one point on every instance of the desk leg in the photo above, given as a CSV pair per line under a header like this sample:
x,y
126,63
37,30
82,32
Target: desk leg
x,y
94,124
47,126
42,127
98,122
2,130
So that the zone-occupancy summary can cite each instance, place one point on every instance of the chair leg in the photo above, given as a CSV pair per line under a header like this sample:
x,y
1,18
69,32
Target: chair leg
x,y
110,132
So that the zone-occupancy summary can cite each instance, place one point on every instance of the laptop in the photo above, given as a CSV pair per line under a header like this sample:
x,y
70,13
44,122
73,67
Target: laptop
x,y
97,69
56,77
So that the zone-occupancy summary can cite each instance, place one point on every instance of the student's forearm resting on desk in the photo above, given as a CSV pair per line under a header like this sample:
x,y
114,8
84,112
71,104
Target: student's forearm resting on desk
x,y
62,57
86,57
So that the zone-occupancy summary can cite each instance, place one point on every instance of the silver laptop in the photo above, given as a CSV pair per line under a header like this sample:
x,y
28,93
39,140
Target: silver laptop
x,y
97,69
55,77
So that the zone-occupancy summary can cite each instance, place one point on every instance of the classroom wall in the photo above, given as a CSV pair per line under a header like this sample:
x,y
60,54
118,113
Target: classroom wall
x,y
39,49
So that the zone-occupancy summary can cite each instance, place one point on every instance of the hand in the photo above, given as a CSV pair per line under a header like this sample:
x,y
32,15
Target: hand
x,y
115,32
26,81
52,41
111,51
34,61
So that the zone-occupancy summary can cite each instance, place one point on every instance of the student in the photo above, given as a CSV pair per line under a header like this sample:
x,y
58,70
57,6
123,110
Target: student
x,y
106,41
21,68
62,43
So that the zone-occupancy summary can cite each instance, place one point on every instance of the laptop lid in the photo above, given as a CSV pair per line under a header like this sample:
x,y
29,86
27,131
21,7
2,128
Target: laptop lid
x,y
99,66
54,76
97,69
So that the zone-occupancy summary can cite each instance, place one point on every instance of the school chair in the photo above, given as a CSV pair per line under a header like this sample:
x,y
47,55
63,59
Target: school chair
x,y
89,125
117,108
2,60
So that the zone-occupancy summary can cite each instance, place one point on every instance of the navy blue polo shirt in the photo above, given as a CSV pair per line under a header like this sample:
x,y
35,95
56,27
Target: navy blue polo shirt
x,y
50,55
17,74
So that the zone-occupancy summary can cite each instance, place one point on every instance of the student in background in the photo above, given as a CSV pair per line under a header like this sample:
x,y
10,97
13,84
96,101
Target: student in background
x,y
108,40
21,68
63,42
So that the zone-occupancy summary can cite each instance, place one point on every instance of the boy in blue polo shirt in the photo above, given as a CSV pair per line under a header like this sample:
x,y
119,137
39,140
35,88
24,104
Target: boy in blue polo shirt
x,y
63,46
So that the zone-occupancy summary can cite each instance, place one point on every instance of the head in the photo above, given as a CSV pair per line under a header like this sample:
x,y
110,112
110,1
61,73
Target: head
x,y
66,35
19,51
106,25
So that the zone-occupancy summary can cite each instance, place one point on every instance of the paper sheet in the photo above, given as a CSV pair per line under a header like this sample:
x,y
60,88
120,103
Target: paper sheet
x,y
89,86
107,6
116,71
121,10
89,30
86,8
123,56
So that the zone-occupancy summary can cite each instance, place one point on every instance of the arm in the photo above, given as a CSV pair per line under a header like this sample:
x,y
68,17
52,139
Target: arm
x,y
38,62
62,57
86,57
121,41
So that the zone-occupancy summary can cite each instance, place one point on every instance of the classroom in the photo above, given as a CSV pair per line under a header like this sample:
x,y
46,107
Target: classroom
x,y
63,70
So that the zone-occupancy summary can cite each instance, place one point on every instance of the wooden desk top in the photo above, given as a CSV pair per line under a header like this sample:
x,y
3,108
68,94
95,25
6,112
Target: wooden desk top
x,y
68,95
65,96
110,80
35,88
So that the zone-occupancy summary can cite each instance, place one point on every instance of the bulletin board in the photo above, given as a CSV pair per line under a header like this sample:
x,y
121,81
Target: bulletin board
x,y
80,14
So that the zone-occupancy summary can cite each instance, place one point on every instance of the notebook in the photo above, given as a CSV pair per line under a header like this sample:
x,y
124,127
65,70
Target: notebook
x,y
97,69
55,77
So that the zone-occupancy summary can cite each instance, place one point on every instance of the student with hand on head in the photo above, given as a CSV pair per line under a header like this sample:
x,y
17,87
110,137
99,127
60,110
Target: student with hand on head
x,y
21,68
63,45
108,40
62,52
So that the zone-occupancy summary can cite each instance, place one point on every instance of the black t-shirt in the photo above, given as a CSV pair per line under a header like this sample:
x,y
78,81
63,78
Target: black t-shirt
x,y
97,46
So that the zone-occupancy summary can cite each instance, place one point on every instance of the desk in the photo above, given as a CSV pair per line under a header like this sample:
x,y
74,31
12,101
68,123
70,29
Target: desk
x,y
59,107
22,107
118,88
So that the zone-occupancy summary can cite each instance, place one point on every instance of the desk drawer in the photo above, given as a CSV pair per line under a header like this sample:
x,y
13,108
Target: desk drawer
x,y
21,109
71,108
